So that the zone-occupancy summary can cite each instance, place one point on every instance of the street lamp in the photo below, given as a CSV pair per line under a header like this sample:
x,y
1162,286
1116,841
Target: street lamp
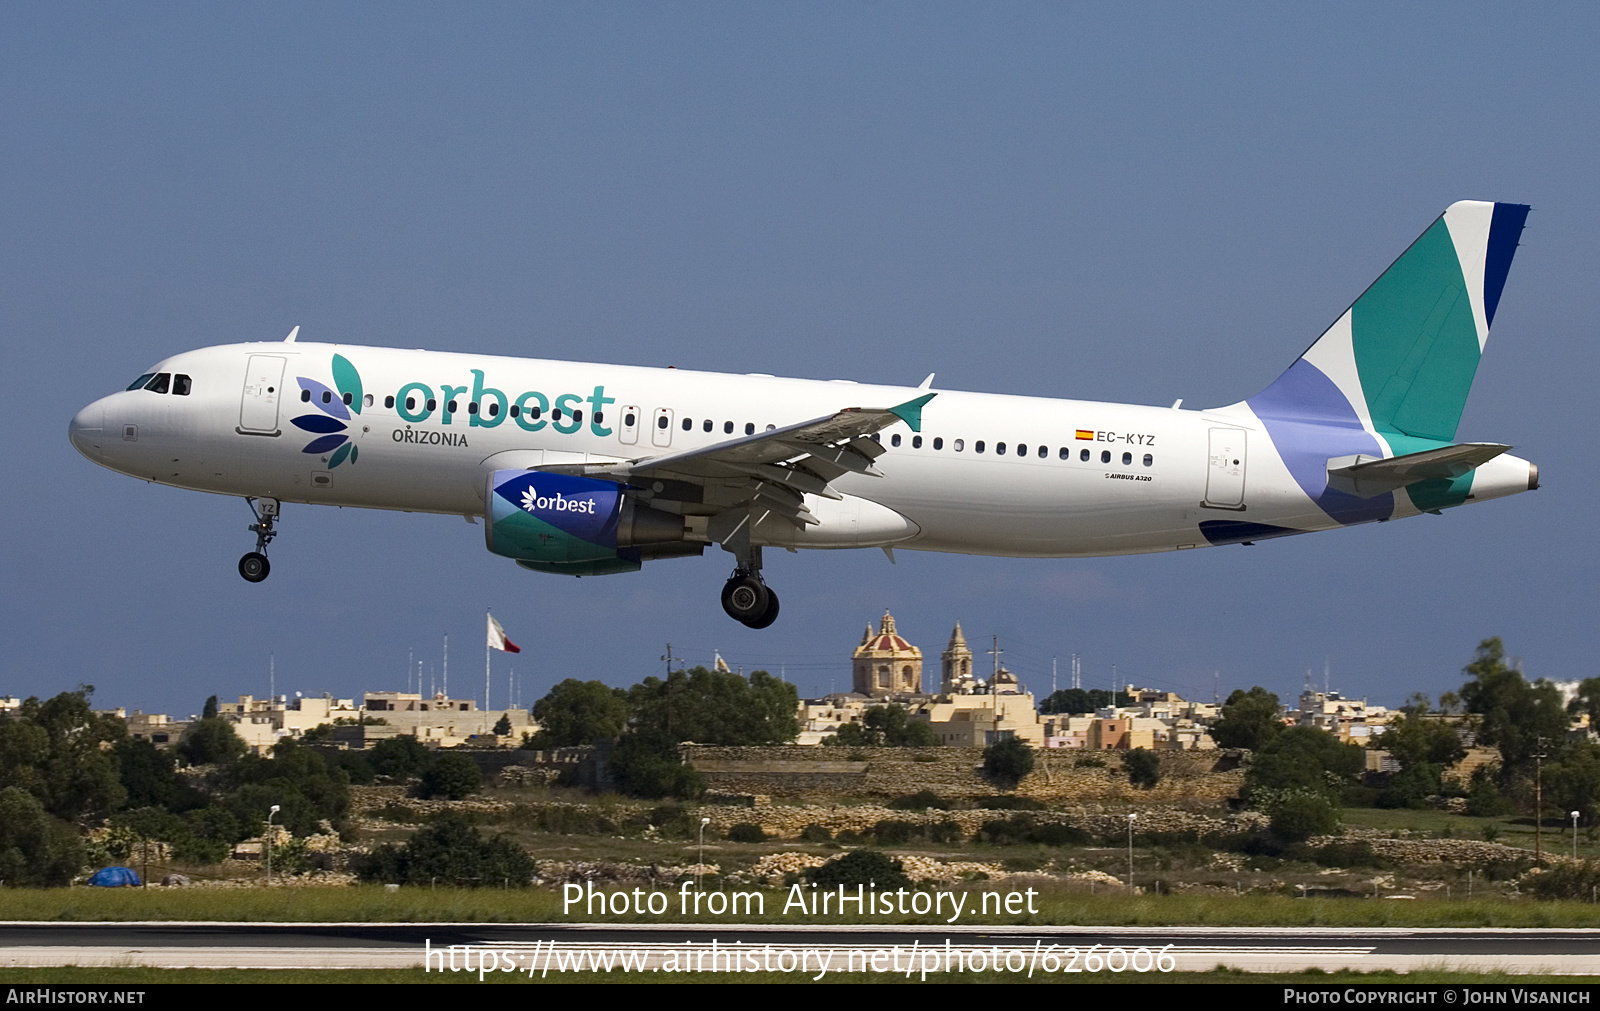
x,y
268,840
700,861
1131,818
1574,835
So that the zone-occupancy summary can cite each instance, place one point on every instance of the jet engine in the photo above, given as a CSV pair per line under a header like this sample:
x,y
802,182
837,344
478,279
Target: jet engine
x,y
576,525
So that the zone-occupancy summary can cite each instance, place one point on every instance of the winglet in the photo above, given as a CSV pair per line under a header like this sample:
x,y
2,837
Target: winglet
x,y
910,412
292,334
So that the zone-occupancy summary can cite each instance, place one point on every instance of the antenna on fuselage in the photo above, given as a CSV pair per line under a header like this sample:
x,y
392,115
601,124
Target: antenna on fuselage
x,y
292,334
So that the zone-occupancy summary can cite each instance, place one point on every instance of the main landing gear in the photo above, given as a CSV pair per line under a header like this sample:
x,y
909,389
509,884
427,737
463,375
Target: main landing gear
x,y
748,600
254,566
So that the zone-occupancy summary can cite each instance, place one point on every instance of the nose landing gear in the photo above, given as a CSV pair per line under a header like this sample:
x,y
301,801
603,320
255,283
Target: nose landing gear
x,y
254,566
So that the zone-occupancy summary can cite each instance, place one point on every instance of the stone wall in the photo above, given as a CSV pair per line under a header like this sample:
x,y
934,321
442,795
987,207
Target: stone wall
x,y
1205,777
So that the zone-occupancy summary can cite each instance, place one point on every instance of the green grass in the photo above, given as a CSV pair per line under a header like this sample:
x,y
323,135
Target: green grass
x,y
369,904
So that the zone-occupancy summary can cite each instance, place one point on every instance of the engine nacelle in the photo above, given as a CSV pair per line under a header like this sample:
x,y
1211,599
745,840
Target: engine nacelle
x,y
575,525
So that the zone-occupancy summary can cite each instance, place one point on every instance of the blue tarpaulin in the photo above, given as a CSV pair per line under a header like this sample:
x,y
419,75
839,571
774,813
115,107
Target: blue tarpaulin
x,y
114,877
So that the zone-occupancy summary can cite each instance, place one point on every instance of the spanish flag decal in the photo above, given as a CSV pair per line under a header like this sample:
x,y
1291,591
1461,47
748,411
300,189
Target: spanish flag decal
x,y
1084,433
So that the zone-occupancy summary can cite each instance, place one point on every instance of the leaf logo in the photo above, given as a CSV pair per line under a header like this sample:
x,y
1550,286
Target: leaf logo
x,y
335,407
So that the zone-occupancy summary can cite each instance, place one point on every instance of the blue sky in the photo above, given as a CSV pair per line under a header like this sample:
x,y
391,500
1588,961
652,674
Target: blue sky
x,y
1131,203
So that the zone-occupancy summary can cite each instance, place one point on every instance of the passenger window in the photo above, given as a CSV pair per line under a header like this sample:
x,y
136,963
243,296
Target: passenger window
x,y
894,440
1043,452
1066,454
180,385
876,437
577,416
977,447
960,444
366,401
348,398
534,412
772,428
1148,459
472,408
1084,456
662,422
727,428
688,424
916,442
138,384
1022,449
938,443
1127,458
327,398
599,417
305,396
1105,456
999,449
749,428
707,426
389,402
433,405
555,415
411,403
494,409
160,383
628,420
515,410
449,408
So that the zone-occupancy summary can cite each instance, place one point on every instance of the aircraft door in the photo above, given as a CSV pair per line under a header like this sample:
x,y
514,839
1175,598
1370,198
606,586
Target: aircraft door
x,y
263,390
1225,469
661,427
628,431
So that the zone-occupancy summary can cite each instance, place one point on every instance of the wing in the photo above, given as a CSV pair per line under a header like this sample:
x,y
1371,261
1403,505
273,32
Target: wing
x,y
769,472
1365,476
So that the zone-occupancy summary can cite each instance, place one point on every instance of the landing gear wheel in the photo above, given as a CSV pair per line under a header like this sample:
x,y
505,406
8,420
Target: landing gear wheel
x,y
254,567
746,599
770,615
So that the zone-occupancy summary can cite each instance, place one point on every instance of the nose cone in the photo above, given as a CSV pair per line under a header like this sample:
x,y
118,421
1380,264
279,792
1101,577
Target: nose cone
x,y
87,430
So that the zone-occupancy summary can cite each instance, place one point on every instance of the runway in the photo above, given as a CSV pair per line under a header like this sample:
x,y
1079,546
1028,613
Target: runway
x,y
545,950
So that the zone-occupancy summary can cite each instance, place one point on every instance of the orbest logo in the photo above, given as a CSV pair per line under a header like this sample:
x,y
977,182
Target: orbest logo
x,y
335,409
532,501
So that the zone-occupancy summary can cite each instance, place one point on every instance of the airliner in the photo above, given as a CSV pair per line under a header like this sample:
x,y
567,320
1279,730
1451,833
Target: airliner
x,y
587,469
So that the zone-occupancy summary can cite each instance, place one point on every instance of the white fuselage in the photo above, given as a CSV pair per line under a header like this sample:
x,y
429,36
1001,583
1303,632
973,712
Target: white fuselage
x,y
987,474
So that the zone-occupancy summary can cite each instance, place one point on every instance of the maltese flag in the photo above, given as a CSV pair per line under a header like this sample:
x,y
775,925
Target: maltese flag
x,y
498,640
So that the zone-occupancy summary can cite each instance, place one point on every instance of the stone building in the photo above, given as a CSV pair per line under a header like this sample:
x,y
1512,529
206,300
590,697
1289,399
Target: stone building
x,y
955,666
885,664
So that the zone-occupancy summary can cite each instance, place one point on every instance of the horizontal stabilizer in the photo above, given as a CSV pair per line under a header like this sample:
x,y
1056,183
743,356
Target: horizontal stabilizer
x,y
1369,477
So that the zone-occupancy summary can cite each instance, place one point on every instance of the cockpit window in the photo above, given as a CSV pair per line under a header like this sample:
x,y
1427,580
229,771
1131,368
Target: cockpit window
x,y
160,383
180,385
139,383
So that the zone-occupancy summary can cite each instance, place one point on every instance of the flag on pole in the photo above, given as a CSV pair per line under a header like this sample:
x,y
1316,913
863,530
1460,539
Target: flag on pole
x,y
498,640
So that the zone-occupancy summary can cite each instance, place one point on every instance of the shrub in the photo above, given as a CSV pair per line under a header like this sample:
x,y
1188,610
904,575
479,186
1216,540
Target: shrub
x,y
895,833
451,777
1298,815
746,832
946,833
919,801
861,867
449,851
1143,767
1007,762
815,833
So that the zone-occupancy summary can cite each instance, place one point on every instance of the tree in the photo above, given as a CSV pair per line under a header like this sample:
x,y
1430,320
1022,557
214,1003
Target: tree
x,y
1144,767
1249,719
400,756
578,712
452,777
716,707
1424,746
885,726
36,850
149,775
54,750
1297,815
1514,716
1005,762
450,851
502,726
1079,700
1302,759
211,740
209,710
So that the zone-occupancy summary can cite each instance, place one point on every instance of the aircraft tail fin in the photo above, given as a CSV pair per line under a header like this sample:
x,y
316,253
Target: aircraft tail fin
x,y
1400,361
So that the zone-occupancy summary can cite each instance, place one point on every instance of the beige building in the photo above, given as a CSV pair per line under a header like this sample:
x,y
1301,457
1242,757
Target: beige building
x,y
885,664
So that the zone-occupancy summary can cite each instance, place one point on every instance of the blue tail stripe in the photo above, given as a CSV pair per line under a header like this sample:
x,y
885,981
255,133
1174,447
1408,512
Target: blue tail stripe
x,y
1505,229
